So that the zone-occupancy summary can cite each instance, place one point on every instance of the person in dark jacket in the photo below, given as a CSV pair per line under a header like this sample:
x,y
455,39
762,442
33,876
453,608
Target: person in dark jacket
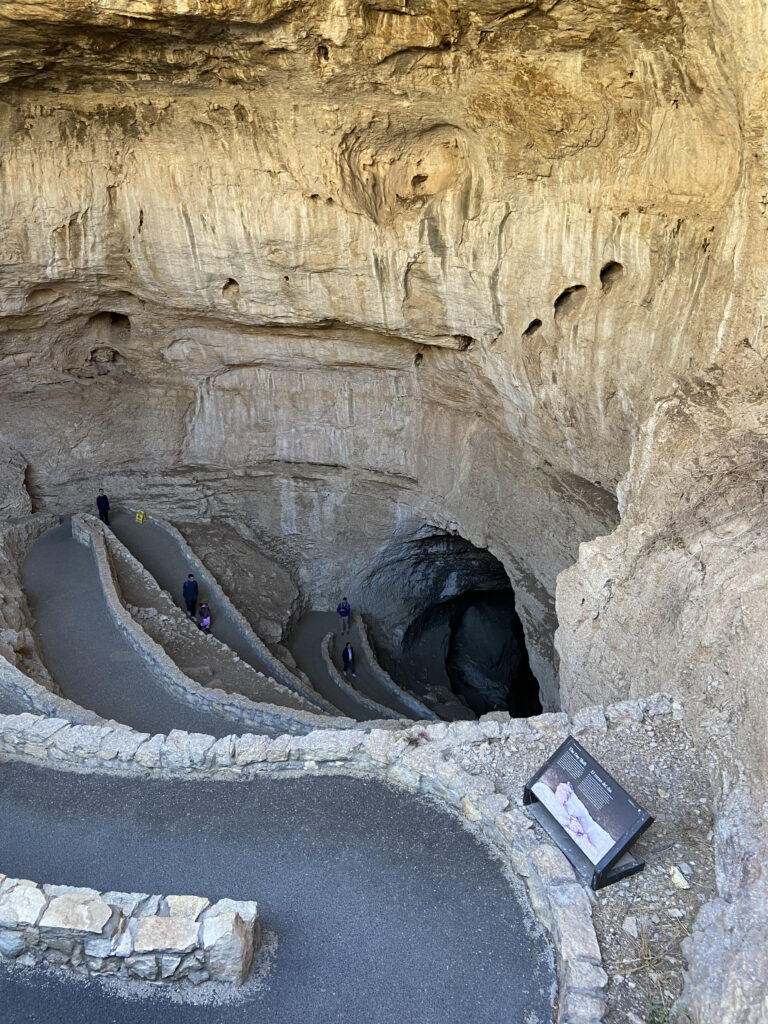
x,y
190,595
102,503
348,660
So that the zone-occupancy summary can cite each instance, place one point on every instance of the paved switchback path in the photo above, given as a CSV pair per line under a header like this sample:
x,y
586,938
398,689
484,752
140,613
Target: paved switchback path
x,y
304,644
386,910
87,655
161,557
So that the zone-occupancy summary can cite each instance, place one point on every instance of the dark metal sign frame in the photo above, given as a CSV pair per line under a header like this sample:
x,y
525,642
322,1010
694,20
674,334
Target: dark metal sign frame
x,y
591,818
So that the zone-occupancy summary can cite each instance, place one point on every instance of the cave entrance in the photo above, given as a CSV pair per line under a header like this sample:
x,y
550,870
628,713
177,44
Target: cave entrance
x,y
456,639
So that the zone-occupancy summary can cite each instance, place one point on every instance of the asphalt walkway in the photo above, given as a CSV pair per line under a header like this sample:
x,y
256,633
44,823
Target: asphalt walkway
x,y
304,644
386,910
86,653
161,556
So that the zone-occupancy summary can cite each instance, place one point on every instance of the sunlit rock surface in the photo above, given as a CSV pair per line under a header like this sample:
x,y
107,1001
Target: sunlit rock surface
x,y
339,270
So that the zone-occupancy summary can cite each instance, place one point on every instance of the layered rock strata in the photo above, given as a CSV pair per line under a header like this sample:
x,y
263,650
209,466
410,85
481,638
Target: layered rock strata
x,y
345,271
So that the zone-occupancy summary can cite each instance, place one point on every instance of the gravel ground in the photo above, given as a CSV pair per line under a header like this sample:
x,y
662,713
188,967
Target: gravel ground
x,y
640,921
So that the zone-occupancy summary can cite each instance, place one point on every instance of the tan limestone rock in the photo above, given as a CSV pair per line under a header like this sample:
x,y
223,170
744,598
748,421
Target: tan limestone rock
x,y
21,905
228,944
165,934
190,907
77,912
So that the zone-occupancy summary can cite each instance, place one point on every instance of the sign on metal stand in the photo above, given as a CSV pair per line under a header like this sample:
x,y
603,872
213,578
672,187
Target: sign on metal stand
x,y
587,813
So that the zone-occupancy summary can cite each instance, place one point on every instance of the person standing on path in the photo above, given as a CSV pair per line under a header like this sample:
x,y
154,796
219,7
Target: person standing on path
x,y
348,660
343,610
102,503
190,595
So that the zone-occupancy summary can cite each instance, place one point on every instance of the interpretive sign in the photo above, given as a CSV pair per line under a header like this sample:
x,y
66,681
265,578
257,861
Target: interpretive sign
x,y
589,815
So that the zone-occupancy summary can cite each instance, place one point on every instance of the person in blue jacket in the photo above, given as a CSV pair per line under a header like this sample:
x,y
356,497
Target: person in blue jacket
x,y
190,595
102,504
343,611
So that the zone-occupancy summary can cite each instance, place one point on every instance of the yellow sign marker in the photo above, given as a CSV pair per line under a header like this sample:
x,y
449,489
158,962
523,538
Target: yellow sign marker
x,y
141,517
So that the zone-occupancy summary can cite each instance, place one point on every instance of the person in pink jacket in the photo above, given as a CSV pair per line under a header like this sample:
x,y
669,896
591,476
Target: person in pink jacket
x,y
205,618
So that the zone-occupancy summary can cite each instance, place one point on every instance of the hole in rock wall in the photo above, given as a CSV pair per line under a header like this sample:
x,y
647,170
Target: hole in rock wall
x,y
231,289
322,52
460,644
120,322
463,341
610,274
99,349
570,300
531,329
109,330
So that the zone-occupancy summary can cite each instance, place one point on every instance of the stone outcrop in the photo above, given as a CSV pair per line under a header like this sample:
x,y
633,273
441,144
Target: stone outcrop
x,y
679,592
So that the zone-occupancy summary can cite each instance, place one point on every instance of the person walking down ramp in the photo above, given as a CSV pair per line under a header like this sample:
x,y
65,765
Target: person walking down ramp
x,y
343,610
102,504
348,660
190,595
205,618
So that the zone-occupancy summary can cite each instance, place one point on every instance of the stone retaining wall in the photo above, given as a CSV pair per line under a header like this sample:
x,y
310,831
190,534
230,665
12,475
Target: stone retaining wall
x,y
413,703
366,703
40,701
416,758
148,938
17,643
242,712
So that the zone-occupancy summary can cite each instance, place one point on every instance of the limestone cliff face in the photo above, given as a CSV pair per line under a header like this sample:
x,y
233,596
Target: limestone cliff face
x,y
343,268
431,260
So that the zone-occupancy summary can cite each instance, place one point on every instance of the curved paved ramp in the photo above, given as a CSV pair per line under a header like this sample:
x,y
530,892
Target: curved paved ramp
x,y
304,644
386,910
161,557
85,652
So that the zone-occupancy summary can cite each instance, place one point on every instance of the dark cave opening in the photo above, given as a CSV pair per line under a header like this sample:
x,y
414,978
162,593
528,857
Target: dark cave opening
x,y
476,642
461,645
